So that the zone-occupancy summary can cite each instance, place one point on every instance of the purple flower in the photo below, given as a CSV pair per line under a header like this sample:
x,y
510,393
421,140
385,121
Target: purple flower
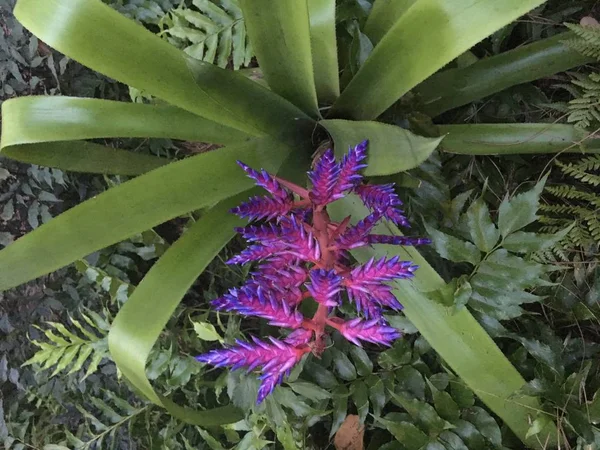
x,y
357,236
325,286
374,331
349,176
382,197
324,179
266,181
263,208
302,253
252,300
275,360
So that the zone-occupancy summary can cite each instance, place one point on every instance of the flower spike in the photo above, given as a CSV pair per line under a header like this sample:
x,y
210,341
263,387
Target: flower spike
x,y
301,253
324,179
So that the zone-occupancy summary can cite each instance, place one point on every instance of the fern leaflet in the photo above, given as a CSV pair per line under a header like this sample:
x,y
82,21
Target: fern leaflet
x,y
214,32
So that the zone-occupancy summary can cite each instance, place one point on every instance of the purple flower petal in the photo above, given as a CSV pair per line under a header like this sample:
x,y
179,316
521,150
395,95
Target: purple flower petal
x,y
275,359
382,197
356,236
325,286
266,181
349,176
258,208
252,300
375,331
324,179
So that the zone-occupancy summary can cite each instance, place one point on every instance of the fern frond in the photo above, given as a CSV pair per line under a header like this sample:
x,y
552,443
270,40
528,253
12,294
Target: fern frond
x,y
587,40
69,351
214,32
584,109
575,171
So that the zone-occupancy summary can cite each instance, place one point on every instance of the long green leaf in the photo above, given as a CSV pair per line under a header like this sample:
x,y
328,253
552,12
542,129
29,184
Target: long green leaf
x,y
383,16
391,149
142,318
505,139
33,129
456,87
97,36
458,338
135,206
280,35
324,49
427,36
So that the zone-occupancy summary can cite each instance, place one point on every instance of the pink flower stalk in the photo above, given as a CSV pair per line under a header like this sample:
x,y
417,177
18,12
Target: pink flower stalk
x,y
303,254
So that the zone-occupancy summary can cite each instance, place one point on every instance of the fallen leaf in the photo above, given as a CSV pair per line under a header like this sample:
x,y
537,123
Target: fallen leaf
x,y
351,434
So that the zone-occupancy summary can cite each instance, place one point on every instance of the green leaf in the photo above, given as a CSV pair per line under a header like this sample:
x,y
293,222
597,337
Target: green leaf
x,y
142,318
134,206
423,413
135,56
456,87
406,433
483,232
391,149
320,375
324,49
469,434
515,138
453,27
340,408
452,248
280,35
458,338
377,395
362,362
520,210
485,423
445,406
451,441
383,16
39,130
309,390
524,242
206,331
360,397
342,365
538,425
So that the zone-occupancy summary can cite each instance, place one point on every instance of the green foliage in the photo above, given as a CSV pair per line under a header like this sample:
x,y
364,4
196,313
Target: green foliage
x,y
504,272
214,31
69,350
573,202
587,40
584,110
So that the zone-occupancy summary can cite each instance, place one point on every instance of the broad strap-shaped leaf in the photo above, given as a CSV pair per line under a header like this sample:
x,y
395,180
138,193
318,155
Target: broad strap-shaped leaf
x,y
514,138
456,87
142,318
95,35
458,338
280,35
407,55
324,49
383,16
391,149
34,130
135,206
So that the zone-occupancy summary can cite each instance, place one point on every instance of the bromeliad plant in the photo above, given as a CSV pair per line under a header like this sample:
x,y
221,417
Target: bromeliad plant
x,y
273,128
304,256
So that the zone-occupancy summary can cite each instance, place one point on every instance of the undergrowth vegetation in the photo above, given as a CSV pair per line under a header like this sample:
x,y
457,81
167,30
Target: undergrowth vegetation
x,y
516,240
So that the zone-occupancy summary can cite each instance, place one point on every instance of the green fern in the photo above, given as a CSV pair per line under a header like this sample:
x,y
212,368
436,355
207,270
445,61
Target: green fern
x,y
69,351
586,40
574,202
214,32
584,109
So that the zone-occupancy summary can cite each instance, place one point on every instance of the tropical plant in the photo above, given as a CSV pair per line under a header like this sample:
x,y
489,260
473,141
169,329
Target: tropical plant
x,y
275,128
